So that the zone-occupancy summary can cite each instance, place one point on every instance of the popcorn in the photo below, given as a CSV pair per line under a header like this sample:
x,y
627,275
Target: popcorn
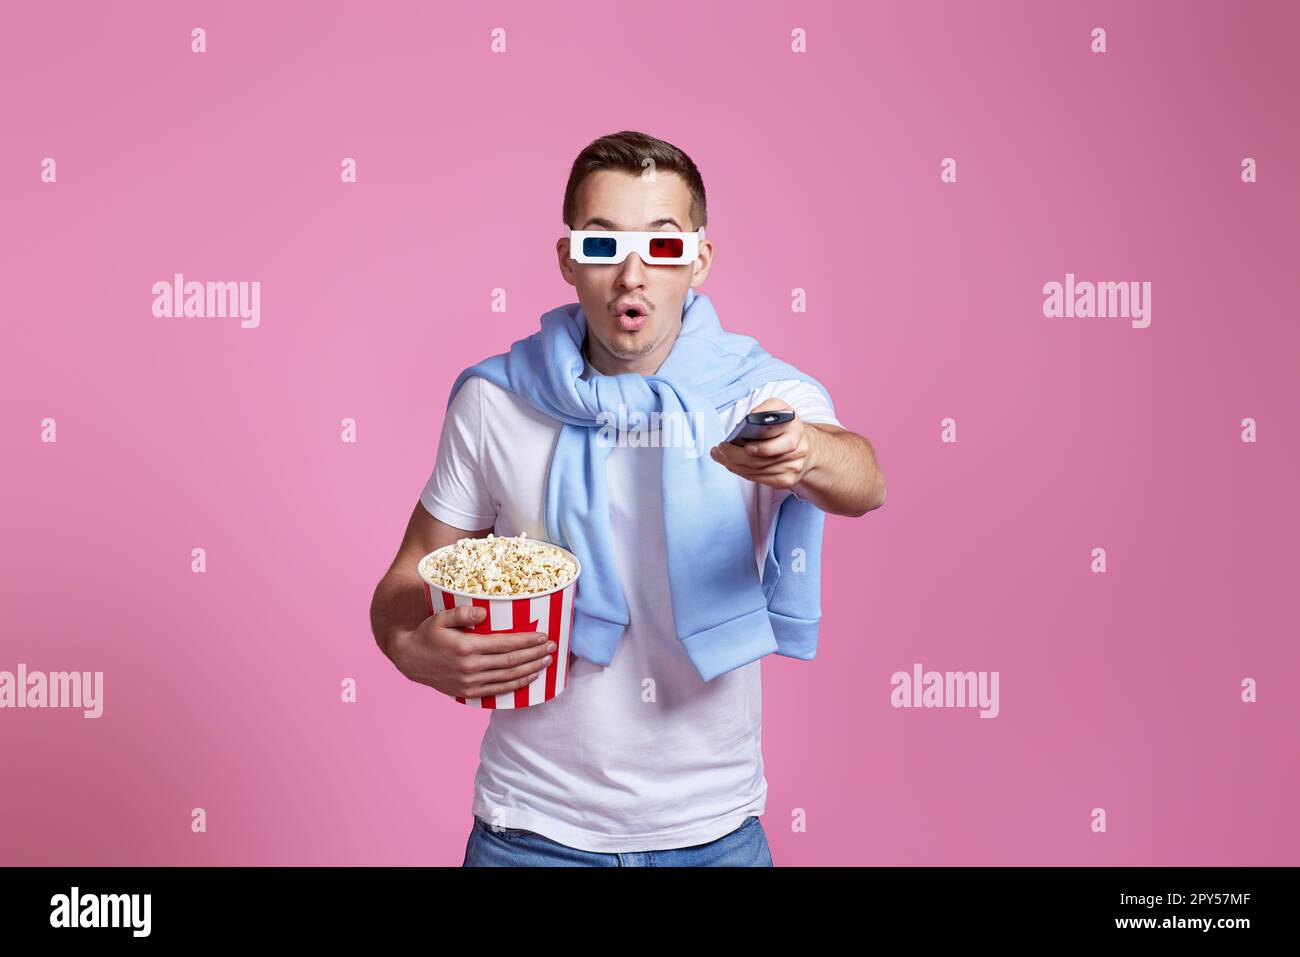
x,y
524,586
502,566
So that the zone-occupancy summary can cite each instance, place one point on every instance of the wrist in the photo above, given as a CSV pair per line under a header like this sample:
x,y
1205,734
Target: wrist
x,y
812,463
393,642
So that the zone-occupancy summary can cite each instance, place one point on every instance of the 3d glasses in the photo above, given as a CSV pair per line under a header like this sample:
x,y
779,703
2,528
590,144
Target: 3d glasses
x,y
655,249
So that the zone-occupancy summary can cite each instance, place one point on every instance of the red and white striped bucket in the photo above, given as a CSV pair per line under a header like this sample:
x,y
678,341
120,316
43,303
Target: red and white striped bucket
x,y
550,612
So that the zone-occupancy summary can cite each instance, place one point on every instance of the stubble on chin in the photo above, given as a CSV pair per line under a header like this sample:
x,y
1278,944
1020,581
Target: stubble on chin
x,y
642,349
638,350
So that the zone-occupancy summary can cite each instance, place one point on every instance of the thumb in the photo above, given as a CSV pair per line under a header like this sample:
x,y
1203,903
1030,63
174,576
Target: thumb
x,y
463,616
772,405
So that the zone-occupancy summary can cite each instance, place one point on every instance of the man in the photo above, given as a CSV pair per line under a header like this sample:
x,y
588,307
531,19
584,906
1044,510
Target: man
x,y
639,760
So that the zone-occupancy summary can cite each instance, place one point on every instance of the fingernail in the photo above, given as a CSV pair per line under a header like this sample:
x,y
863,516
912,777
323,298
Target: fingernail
x,y
551,646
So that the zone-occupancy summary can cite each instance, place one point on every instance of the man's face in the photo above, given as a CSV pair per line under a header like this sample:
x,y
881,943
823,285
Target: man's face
x,y
612,199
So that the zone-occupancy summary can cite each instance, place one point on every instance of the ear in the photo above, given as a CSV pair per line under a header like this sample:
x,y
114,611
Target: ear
x,y
566,264
702,264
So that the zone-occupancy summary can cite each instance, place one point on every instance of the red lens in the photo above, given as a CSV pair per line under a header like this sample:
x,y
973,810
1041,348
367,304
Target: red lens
x,y
665,248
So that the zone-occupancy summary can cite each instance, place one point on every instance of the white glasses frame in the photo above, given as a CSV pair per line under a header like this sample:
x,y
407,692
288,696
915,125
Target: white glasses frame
x,y
632,241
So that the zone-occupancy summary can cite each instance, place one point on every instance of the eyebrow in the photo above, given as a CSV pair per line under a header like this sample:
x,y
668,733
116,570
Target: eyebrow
x,y
602,223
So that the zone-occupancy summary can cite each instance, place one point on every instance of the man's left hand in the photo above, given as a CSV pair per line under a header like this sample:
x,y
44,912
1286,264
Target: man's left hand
x,y
780,459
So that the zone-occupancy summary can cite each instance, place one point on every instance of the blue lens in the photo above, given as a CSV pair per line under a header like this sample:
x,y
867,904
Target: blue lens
x,y
599,246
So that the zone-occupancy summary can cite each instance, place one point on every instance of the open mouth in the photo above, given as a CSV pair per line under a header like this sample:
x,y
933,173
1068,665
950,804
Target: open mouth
x,y
631,317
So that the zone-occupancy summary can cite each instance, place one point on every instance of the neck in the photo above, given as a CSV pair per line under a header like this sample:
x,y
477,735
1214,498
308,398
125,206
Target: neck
x,y
607,363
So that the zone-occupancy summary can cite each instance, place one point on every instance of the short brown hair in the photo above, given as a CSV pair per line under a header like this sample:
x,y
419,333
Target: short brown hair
x,y
627,151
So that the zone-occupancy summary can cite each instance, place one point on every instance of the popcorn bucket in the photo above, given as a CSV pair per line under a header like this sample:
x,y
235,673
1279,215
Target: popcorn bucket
x,y
550,612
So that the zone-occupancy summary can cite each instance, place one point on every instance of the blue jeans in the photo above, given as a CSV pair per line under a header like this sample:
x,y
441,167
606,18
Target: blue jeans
x,y
746,846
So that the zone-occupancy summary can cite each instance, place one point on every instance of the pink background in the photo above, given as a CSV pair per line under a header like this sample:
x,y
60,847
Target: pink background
x,y
222,690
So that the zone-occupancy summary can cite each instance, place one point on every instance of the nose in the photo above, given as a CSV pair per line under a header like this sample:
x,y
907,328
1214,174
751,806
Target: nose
x,y
632,271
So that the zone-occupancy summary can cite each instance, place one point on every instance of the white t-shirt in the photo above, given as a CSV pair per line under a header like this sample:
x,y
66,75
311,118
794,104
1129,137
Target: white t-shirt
x,y
641,755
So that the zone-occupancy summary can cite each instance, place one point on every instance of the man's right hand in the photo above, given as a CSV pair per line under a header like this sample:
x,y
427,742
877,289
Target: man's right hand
x,y
440,653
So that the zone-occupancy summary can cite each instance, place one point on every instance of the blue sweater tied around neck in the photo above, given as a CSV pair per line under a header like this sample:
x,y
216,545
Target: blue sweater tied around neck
x,y
722,613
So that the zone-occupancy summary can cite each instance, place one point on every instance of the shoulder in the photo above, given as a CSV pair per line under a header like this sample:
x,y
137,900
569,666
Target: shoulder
x,y
805,398
498,408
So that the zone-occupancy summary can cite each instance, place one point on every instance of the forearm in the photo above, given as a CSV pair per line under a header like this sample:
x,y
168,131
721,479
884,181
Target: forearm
x,y
843,477
399,605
